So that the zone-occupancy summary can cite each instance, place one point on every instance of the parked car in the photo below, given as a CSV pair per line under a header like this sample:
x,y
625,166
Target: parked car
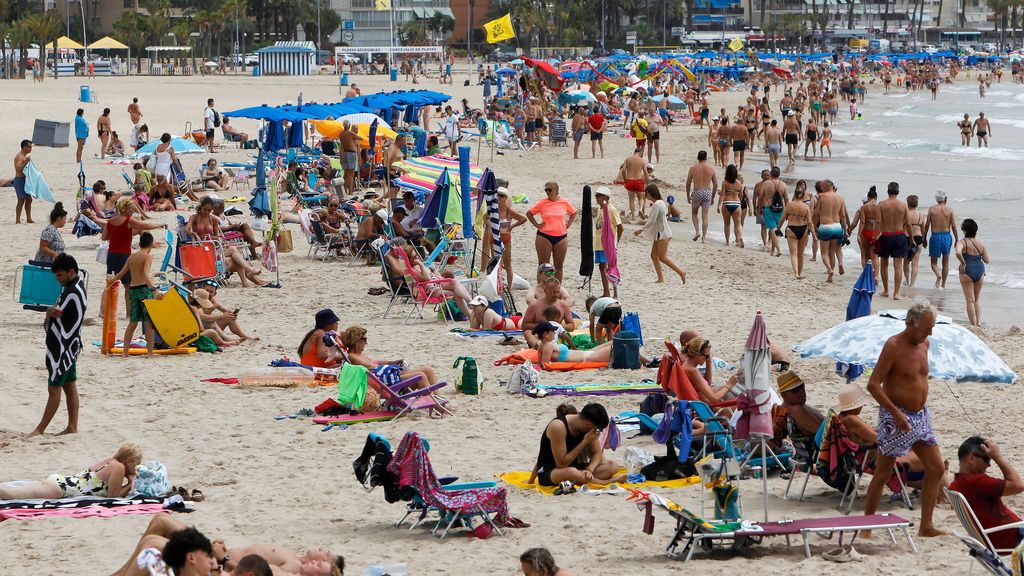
x,y
349,59
500,56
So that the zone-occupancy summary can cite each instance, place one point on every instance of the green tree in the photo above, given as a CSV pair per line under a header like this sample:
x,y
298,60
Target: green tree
x,y
46,28
131,27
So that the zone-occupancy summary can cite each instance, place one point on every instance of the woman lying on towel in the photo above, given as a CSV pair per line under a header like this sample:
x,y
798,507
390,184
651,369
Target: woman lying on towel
x,y
482,317
387,371
549,350
109,478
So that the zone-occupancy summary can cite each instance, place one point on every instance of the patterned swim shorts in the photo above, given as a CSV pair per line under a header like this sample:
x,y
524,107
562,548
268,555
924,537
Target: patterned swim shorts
x,y
894,442
701,198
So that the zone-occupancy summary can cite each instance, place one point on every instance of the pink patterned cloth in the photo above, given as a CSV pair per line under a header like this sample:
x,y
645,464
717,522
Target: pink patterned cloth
x,y
85,512
412,465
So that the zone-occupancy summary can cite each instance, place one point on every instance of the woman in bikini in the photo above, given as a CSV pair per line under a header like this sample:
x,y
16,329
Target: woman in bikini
x,y
869,216
731,198
204,226
557,215
809,200
109,478
973,255
966,130
550,350
917,220
161,196
354,340
103,131
811,138
482,317
798,215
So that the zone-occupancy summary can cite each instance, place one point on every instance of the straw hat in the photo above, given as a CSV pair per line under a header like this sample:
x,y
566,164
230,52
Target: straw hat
x,y
202,297
851,397
789,380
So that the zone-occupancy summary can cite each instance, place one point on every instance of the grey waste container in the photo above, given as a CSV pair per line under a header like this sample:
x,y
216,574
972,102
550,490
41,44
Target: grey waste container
x,y
51,133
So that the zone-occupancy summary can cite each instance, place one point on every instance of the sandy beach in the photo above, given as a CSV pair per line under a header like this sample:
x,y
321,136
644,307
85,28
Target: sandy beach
x,y
287,482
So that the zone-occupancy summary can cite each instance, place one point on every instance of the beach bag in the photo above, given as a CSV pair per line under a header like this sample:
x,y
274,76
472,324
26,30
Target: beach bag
x,y
101,252
651,405
524,378
216,119
776,205
284,241
151,480
631,323
467,380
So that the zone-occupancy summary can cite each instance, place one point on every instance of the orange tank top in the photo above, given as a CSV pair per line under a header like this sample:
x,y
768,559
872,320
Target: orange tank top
x,y
311,359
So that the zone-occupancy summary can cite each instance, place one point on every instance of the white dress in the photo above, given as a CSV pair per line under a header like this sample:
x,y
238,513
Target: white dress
x,y
163,164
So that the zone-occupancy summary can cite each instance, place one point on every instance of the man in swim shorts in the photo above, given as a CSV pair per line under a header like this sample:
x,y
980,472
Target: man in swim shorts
x,y
893,242
138,266
899,384
701,187
791,133
773,142
774,198
831,220
24,200
942,222
633,175
739,143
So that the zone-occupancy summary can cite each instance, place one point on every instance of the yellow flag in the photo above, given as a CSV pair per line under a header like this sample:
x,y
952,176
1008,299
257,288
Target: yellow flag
x,y
382,4
500,29
736,44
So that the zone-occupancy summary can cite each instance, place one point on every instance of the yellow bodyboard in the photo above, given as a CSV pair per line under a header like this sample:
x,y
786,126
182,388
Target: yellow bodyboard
x,y
173,319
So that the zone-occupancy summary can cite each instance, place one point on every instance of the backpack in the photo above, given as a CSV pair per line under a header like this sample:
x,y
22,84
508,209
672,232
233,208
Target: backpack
x,y
468,380
216,119
776,205
524,379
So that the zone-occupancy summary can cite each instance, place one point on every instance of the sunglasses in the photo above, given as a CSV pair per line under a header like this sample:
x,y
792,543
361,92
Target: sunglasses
x,y
550,190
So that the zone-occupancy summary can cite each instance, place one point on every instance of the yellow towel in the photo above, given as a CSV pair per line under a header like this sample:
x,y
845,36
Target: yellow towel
x,y
518,479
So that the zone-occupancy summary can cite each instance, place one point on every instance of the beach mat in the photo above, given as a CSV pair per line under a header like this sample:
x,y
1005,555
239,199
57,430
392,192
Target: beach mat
x,y
598,389
355,418
463,333
86,512
518,480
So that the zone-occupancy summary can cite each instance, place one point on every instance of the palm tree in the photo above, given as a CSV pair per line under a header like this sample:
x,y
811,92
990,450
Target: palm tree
x,y
6,9
1000,8
45,28
131,26
158,19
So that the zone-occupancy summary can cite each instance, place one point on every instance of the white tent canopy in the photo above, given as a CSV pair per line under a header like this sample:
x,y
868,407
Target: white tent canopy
x,y
168,48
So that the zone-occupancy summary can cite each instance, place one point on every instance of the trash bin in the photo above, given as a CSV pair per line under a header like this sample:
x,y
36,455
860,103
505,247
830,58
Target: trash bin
x,y
255,70
344,78
394,75
626,350
85,95
51,133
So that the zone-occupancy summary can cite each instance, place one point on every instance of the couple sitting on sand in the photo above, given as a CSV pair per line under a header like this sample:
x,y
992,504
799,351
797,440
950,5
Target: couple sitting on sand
x,y
189,553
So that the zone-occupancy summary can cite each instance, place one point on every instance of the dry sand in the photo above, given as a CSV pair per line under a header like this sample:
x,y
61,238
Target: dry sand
x,y
289,483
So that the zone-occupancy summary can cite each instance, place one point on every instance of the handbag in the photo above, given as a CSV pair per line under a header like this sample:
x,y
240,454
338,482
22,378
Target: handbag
x,y
284,241
101,252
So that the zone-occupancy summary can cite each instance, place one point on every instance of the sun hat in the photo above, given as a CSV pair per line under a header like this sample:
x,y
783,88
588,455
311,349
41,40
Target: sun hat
x,y
851,397
502,191
326,317
382,214
789,380
603,191
479,300
202,297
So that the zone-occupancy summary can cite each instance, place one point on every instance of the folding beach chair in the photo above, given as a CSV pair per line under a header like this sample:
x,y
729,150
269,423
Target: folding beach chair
x,y
426,293
988,559
36,288
180,180
692,531
321,243
356,246
399,398
975,531
395,282
412,466
558,132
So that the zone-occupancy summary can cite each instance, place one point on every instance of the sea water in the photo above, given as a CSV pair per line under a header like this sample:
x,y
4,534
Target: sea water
x,y
913,140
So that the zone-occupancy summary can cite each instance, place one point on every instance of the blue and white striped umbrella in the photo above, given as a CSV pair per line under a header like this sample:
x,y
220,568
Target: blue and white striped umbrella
x,y
955,353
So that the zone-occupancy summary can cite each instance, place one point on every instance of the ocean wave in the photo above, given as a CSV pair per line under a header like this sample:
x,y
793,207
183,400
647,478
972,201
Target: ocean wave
x,y
1004,176
1005,279
988,153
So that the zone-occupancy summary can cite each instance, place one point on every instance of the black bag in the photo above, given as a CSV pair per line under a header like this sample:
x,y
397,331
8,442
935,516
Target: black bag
x,y
776,205
216,119
651,405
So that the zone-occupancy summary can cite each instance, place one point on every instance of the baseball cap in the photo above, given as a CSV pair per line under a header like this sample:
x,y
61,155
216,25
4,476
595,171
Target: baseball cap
x,y
382,214
546,268
791,113
479,300
542,327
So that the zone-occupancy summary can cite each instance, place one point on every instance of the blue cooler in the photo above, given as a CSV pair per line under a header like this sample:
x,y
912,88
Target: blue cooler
x,y
85,95
626,350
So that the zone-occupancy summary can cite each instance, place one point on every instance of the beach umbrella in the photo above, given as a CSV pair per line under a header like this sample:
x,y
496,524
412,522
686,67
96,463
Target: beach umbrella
x,y
438,210
506,71
955,353
783,72
179,145
410,113
263,112
587,236
516,62
501,87
296,134
858,307
755,421
274,139
259,204
577,96
364,118
546,72
465,192
488,187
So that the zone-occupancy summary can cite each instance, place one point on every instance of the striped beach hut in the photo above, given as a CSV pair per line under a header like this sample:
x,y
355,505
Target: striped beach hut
x,y
287,59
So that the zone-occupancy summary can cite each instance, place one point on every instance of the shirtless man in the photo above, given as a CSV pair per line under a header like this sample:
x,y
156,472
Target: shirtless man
x,y
579,128
283,562
966,130
773,143
633,175
942,222
139,267
832,222
701,187
756,207
982,128
739,143
531,111
791,133
774,197
534,313
24,200
349,144
869,218
894,240
899,384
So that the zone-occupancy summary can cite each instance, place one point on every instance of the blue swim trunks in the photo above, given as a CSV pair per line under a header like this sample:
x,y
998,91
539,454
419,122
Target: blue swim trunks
x,y
940,244
19,187
771,219
832,231
599,257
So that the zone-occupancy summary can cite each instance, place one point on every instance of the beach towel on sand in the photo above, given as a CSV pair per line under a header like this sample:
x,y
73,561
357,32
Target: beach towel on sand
x,y
531,355
518,479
